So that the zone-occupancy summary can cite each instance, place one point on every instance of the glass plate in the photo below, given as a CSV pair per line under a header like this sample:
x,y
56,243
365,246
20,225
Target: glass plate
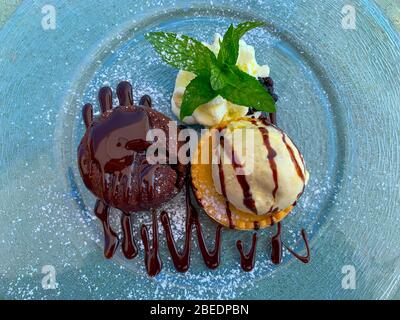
x,y
339,101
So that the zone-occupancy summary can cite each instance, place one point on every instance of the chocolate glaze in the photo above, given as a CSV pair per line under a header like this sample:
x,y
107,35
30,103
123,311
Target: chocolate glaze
x,y
247,261
146,101
87,114
105,99
124,93
112,154
146,179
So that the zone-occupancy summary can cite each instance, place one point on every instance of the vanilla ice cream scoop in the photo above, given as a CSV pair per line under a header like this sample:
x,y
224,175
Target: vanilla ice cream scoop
x,y
257,167
218,109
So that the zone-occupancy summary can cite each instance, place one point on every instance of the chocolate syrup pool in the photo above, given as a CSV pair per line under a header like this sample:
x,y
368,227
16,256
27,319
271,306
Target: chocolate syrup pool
x,y
180,259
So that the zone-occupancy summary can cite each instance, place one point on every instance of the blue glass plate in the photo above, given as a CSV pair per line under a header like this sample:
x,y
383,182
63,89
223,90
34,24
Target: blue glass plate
x,y
337,79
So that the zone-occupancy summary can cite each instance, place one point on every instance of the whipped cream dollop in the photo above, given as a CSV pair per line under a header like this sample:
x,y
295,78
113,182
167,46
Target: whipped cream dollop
x,y
260,171
218,109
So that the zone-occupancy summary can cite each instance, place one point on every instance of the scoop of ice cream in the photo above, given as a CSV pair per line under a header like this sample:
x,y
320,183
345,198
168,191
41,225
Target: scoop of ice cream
x,y
218,109
257,167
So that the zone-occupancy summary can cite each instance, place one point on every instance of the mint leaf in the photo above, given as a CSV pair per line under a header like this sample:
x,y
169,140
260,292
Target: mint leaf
x,y
229,48
217,80
248,92
198,92
182,52
221,76
229,51
244,27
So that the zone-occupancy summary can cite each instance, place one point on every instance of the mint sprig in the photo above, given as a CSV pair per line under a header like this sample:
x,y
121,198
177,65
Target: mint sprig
x,y
215,75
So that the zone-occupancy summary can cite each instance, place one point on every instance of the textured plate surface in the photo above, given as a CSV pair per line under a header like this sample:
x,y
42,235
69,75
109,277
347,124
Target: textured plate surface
x,y
339,101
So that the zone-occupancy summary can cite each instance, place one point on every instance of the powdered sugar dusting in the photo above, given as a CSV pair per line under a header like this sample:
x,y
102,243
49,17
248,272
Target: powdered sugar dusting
x,y
69,236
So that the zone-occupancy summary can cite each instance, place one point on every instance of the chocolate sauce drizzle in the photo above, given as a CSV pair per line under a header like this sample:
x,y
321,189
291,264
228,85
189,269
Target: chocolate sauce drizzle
x,y
247,261
111,240
299,171
223,190
276,243
152,258
146,175
271,159
136,127
306,258
248,200
182,260
129,247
